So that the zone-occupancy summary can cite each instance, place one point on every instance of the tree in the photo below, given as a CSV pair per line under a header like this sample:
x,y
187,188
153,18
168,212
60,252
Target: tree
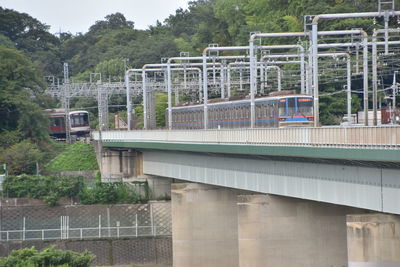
x,y
31,36
113,68
19,82
22,158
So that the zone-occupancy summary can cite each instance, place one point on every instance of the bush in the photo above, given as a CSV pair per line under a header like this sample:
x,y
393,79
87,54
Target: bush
x,y
48,188
111,193
46,258
51,188
21,158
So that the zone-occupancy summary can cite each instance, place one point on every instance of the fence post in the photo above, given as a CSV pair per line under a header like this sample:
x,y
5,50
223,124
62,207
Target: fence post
x,y
100,226
136,228
42,234
151,219
23,229
108,222
118,229
80,233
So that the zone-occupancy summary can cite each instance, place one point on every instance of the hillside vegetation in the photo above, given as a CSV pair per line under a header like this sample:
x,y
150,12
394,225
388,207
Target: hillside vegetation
x,y
76,157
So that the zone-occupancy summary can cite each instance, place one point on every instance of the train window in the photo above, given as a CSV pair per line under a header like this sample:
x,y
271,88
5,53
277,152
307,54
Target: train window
x,y
57,122
258,111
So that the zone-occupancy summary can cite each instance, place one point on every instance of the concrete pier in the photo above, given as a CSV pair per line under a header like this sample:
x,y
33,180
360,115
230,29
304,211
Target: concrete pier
x,y
204,226
373,240
280,231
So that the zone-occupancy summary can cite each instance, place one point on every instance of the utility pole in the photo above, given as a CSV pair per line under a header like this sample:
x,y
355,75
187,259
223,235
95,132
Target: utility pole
x,y
394,92
66,104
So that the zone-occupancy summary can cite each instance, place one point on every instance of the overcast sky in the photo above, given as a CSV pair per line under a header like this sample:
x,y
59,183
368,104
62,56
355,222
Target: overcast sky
x,y
78,15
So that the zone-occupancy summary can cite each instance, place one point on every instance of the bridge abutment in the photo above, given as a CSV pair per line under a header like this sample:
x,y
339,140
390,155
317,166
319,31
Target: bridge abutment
x,y
119,164
373,240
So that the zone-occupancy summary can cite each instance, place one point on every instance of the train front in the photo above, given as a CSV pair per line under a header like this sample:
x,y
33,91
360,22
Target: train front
x,y
296,111
79,121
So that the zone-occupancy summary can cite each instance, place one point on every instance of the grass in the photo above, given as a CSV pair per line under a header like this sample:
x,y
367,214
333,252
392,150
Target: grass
x,y
76,157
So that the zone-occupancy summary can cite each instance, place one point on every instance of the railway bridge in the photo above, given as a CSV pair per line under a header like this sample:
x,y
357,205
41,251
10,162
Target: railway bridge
x,y
326,196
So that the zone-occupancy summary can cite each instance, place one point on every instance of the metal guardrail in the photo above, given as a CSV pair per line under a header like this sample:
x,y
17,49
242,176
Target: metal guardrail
x,y
384,137
84,233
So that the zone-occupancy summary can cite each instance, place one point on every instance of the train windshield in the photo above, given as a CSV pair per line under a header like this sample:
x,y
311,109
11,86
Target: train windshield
x,y
305,106
79,119
295,106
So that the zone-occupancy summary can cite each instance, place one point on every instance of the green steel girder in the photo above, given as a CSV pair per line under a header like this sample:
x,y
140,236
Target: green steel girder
x,y
351,154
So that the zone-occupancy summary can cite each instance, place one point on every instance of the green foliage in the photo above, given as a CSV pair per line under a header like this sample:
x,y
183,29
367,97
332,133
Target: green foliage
x,y
48,188
113,68
77,157
111,193
9,138
31,36
21,157
48,257
18,110
162,104
51,188
6,42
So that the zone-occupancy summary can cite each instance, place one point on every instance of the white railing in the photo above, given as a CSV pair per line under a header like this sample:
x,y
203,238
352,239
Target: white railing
x,y
84,233
348,137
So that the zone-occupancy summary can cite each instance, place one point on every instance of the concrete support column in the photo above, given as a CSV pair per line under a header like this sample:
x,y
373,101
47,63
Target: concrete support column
x,y
111,165
204,226
373,240
280,231
132,163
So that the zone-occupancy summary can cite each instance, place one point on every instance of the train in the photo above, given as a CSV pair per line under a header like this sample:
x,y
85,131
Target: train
x,y
79,123
279,111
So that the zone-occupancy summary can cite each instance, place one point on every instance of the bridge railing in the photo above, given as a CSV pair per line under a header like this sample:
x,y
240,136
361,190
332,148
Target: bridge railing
x,y
354,137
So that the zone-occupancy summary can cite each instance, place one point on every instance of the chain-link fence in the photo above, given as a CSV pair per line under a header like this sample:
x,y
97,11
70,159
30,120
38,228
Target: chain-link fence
x,y
84,222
